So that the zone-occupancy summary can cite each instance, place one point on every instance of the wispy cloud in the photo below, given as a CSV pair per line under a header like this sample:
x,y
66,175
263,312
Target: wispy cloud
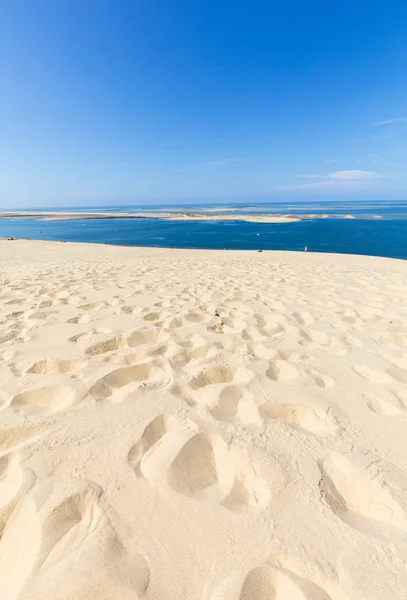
x,y
353,175
211,163
390,121
338,180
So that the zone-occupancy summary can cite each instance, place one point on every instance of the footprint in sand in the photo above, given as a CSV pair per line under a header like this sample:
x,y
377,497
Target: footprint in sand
x,y
322,380
174,323
143,376
146,336
380,376
312,419
212,375
233,345
371,374
53,365
304,318
319,340
223,390
131,309
15,314
268,327
128,359
235,404
398,374
79,319
383,406
92,305
198,465
114,343
293,356
47,399
14,482
258,350
46,304
152,434
314,336
137,338
14,438
393,339
16,301
59,528
282,371
43,315
14,334
358,493
195,317
80,337
152,316
189,355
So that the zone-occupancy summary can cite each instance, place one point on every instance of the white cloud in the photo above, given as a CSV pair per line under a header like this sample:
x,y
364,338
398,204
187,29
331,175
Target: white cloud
x,y
211,163
337,181
390,121
354,175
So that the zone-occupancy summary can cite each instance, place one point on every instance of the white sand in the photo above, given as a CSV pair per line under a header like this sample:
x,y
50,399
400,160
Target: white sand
x,y
201,425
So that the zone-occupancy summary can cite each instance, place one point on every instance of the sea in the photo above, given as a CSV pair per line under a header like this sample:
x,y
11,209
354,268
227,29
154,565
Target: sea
x,y
379,228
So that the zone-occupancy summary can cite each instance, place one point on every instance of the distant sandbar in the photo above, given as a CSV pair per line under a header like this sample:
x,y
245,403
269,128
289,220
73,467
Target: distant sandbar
x,y
252,218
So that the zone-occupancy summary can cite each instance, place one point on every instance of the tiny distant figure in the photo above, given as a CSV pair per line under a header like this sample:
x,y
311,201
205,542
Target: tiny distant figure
x,y
224,248
306,249
257,233
259,250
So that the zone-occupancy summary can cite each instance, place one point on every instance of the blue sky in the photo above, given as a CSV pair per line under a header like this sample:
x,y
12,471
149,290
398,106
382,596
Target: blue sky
x,y
108,101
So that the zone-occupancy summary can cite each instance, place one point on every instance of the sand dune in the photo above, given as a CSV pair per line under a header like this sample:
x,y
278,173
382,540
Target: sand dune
x,y
201,425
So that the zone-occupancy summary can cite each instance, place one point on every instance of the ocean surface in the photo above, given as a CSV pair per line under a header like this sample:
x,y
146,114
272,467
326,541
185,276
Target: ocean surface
x,y
379,228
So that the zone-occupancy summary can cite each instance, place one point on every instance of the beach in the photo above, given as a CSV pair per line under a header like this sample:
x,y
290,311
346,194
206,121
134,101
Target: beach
x,y
201,424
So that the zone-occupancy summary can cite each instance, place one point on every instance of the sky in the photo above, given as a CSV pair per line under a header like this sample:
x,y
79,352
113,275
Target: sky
x,y
121,102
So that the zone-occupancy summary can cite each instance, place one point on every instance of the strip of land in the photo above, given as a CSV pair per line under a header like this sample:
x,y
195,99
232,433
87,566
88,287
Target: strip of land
x,y
251,218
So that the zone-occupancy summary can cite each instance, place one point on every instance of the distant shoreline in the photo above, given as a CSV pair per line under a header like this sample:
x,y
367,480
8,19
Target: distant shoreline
x,y
190,216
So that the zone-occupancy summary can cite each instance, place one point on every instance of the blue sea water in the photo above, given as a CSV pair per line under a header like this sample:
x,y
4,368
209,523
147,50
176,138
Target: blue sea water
x,y
365,234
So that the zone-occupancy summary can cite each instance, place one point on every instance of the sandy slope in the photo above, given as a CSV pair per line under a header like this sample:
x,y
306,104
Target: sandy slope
x,y
201,425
